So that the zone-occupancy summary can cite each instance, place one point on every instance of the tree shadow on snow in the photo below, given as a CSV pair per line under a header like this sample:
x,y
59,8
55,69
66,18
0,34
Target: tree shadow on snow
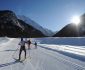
x,y
75,56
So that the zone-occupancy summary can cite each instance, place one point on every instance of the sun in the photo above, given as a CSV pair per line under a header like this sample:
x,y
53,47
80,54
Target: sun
x,y
75,20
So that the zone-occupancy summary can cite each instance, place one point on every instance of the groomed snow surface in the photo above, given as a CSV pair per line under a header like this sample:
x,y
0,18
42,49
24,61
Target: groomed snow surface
x,y
51,54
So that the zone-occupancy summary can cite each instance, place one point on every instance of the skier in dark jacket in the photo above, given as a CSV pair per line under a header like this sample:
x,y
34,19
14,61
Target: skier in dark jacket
x,y
35,45
22,48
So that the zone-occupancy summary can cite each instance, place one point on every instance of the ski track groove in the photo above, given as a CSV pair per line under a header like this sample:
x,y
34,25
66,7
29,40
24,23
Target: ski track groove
x,y
67,62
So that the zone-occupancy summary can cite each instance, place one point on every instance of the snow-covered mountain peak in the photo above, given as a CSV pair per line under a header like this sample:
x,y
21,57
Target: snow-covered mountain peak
x,y
35,25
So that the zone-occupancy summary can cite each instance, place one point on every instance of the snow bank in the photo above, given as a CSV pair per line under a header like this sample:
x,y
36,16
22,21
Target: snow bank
x,y
4,41
74,45
66,48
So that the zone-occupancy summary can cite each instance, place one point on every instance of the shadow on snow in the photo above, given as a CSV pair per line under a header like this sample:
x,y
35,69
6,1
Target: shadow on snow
x,y
75,56
7,64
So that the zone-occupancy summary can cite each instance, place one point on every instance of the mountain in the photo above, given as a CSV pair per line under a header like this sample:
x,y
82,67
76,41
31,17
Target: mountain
x,y
72,30
27,20
82,25
69,30
30,31
49,32
9,25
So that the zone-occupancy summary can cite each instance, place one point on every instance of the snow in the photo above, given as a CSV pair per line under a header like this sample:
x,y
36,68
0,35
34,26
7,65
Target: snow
x,y
75,41
3,39
66,48
42,58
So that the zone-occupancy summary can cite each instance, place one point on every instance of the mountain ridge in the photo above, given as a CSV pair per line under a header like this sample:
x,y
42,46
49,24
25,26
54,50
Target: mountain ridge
x,y
27,20
73,30
10,26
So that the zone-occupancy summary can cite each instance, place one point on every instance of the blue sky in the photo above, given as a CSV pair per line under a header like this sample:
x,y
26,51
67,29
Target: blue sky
x,y
51,14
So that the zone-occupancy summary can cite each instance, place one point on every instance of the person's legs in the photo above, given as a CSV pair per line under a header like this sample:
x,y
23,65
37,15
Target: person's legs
x,y
20,53
25,53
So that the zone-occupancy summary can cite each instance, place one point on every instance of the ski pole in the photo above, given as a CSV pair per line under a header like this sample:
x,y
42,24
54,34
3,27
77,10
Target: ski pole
x,y
14,53
29,53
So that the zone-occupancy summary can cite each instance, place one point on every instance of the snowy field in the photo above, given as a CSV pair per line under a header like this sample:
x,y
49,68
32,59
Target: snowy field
x,y
75,41
51,54
3,39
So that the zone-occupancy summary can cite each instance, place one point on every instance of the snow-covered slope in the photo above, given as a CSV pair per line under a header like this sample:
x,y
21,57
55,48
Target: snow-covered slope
x,y
73,45
66,48
3,40
35,25
41,58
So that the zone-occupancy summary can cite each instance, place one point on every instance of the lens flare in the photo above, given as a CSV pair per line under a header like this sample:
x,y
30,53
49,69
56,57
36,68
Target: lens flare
x,y
75,20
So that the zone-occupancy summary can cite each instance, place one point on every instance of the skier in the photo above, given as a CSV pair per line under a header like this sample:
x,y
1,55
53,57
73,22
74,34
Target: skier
x,y
22,48
29,43
35,45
